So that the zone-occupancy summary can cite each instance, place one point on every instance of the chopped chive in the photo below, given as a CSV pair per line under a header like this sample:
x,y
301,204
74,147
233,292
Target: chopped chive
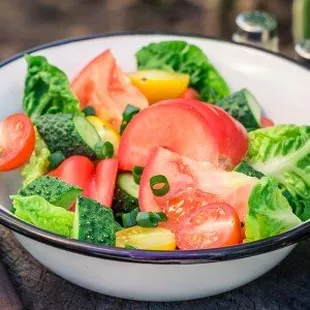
x,y
104,149
128,114
150,219
159,185
129,219
136,173
55,160
89,111
130,247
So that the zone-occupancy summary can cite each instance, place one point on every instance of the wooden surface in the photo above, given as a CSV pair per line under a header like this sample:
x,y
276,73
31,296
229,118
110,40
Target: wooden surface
x,y
286,287
26,23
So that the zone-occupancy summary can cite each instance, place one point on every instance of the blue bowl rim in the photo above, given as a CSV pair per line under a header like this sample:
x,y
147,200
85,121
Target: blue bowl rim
x,y
288,238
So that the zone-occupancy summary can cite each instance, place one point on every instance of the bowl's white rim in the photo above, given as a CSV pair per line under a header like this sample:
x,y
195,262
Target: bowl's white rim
x,y
142,256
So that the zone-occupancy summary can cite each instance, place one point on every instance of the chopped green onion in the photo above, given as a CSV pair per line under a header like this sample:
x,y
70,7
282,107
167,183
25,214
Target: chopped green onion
x,y
129,219
130,247
128,114
89,111
150,219
104,149
136,173
159,185
55,160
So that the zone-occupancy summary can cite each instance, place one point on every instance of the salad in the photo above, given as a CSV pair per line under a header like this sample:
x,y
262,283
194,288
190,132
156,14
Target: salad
x,y
164,158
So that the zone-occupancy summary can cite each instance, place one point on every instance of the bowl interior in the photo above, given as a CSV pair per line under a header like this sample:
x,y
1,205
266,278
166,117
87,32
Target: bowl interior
x,y
281,86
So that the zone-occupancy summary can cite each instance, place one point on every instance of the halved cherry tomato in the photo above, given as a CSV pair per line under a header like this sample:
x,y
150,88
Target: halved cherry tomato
x,y
176,127
210,226
191,94
159,85
17,141
182,173
104,86
97,183
106,132
266,122
158,238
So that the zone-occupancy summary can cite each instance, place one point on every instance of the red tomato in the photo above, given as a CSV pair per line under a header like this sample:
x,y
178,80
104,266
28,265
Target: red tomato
x,y
266,122
183,173
17,141
106,173
190,93
210,226
97,183
104,86
176,127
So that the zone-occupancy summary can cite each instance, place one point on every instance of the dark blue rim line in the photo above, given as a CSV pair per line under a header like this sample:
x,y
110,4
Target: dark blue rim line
x,y
152,257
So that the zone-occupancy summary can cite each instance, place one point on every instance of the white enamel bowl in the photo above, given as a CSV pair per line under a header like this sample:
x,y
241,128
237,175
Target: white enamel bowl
x,y
283,89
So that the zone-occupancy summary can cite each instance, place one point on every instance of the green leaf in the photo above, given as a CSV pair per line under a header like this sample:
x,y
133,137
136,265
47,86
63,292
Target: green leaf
x,y
37,211
186,58
38,163
47,90
283,152
269,212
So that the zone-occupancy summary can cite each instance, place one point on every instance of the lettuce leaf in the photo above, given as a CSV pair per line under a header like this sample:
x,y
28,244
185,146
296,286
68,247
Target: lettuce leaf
x,y
182,57
269,212
47,89
38,162
283,152
37,211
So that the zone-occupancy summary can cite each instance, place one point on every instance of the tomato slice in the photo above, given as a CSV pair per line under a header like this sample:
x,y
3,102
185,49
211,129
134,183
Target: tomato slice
x,y
97,183
104,86
191,94
159,239
17,141
210,226
184,173
176,127
266,122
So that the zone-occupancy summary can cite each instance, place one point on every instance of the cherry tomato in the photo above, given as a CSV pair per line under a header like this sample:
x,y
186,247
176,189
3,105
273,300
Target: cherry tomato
x,y
266,122
104,86
191,94
17,141
210,226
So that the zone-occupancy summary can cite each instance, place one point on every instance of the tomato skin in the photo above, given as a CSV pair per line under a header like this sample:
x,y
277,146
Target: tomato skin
x,y
97,183
190,94
266,122
210,226
183,173
176,127
17,141
104,86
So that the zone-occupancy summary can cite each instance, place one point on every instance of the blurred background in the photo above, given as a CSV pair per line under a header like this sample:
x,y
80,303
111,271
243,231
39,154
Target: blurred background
x,y
26,23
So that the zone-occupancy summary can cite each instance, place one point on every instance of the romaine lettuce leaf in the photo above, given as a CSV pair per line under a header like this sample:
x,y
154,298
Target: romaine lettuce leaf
x,y
269,212
37,211
186,58
47,90
283,152
38,162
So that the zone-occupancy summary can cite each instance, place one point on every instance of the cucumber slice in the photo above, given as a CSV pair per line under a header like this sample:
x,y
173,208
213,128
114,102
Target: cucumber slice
x,y
243,106
55,191
126,196
94,222
246,169
70,134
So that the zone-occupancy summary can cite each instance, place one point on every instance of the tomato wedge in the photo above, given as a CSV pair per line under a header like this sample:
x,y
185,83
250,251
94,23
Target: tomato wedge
x,y
97,183
191,94
17,141
179,128
266,122
211,226
104,86
183,174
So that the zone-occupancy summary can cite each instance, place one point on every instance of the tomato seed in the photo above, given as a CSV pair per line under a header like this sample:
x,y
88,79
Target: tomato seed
x,y
2,151
19,126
